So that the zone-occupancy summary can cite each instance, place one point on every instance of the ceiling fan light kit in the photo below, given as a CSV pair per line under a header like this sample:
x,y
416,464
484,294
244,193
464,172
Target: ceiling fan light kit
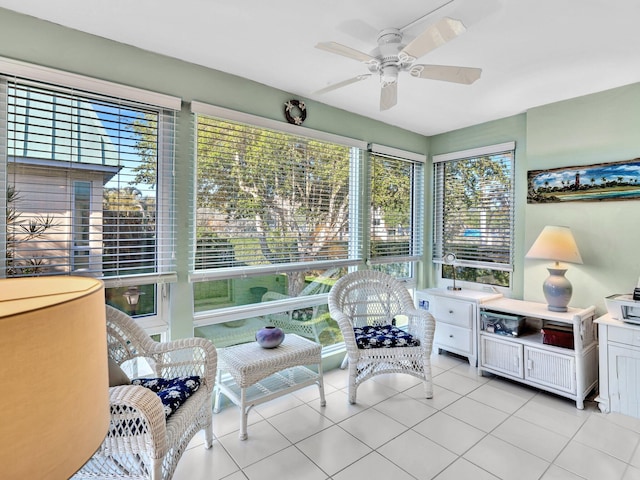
x,y
391,57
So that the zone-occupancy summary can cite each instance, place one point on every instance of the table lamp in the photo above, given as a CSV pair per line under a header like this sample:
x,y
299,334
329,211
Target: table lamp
x,y
54,412
556,243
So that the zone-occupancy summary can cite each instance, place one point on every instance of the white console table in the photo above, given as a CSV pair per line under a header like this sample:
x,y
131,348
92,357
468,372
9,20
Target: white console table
x,y
619,366
572,373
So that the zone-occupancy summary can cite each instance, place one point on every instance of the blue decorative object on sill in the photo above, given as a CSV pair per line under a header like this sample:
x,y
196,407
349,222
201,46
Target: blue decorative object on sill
x,y
269,336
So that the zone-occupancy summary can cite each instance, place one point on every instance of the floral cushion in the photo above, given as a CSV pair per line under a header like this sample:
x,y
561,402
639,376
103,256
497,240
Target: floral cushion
x,y
172,392
302,315
383,336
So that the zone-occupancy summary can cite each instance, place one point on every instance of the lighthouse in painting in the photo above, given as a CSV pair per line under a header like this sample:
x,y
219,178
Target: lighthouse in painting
x,y
577,180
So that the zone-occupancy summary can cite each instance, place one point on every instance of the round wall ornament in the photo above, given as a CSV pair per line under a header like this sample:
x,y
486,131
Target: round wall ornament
x,y
295,112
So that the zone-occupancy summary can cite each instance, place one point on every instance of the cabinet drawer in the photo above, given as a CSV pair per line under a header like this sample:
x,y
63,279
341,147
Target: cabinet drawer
x,y
450,336
454,312
501,355
550,369
626,336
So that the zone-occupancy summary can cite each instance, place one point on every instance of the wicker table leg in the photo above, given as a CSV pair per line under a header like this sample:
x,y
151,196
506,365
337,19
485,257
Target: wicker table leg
x,y
244,413
323,402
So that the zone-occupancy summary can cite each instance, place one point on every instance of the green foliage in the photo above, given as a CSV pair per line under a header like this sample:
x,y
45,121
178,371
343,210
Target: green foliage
x,y
477,196
278,195
485,276
19,233
468,186
147,149
391,190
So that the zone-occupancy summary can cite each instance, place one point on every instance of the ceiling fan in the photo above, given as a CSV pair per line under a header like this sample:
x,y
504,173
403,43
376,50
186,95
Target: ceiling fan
x,y
391,57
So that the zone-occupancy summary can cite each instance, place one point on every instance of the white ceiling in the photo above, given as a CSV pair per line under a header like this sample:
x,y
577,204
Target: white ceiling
x,y
532,52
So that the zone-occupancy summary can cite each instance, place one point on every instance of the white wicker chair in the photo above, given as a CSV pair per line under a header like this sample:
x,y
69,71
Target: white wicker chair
x,y
312,327
374,298
140,443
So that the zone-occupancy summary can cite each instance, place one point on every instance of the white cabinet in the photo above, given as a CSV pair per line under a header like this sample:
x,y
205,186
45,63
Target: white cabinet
x,y
455,312
525,357
619,366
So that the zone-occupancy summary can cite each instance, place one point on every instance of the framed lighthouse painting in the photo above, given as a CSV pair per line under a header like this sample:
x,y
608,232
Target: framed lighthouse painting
x,y
595,183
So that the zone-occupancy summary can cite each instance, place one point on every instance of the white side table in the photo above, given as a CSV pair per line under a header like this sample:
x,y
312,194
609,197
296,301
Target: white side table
x,y
258,375
619,366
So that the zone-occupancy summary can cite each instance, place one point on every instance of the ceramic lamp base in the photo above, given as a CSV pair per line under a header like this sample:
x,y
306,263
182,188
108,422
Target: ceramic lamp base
x,y
557,289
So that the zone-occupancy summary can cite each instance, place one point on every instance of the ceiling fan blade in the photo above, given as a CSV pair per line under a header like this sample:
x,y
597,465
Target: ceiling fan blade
x,y
446,73
434,36
339,49
343,83
388,96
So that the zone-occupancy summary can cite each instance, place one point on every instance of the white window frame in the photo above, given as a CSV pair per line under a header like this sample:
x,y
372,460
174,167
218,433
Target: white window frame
x,y
437,216
154,324
417,207
356,216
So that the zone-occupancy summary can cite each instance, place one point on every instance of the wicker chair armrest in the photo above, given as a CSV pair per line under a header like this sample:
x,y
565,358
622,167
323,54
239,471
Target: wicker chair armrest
x,y
346,328
186,356
270,296
421,324
137,422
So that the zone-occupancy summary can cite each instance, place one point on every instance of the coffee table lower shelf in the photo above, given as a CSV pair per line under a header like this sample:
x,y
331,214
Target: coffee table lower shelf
x,y
267,389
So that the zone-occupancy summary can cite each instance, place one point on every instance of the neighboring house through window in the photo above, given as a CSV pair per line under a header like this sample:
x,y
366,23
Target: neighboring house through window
x,y
83,176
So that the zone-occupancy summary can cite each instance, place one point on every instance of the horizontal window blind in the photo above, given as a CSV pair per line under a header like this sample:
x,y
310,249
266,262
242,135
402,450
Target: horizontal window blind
x,y
268,198
397,197
473,207
88,183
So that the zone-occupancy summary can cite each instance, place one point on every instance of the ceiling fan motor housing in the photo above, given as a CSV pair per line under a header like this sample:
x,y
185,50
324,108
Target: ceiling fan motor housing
x,y
389,35
389,45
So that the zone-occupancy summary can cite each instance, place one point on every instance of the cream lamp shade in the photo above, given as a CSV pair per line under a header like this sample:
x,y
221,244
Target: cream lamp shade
x,y
54,412
556,243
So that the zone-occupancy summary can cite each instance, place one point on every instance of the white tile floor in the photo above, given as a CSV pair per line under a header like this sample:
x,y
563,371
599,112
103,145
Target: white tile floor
x,y
473,428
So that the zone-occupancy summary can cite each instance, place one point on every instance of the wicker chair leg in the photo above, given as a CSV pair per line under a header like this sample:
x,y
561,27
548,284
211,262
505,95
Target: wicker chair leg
x,y
428,380
353,371
208,435
157,469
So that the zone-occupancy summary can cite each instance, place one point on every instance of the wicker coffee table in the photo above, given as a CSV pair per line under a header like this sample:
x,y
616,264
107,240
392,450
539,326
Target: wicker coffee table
x,y
258,375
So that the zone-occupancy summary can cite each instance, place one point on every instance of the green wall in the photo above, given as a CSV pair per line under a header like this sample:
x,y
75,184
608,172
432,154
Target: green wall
x,y
599,128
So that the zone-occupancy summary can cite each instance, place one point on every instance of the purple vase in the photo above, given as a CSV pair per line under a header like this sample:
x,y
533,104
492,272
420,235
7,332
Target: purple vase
x,y
269,336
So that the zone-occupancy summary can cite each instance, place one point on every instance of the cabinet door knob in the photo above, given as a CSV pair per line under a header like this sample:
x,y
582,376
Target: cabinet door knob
x,y
450,336
450,311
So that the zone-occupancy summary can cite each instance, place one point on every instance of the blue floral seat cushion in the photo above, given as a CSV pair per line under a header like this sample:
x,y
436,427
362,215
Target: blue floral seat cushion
x,y
302,314
173,392
383,336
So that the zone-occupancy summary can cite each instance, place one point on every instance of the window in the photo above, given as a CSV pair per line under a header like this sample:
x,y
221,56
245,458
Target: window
x,y
88,187
396,210
473,214
276,216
